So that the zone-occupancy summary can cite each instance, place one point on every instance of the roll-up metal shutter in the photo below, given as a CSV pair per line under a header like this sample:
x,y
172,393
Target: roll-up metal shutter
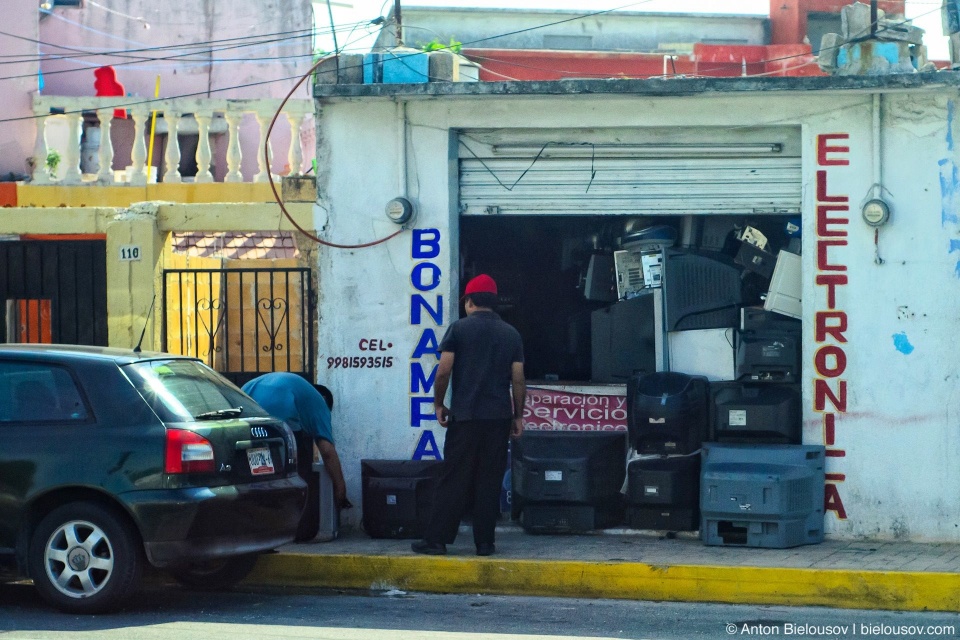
x,y
582,184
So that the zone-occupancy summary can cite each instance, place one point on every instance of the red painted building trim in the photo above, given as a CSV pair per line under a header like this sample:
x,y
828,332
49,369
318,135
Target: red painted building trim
x,y
63,237
706,60
8,194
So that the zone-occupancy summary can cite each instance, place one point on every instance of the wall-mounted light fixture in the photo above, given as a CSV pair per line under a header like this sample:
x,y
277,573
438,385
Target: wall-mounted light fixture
x,y
607,150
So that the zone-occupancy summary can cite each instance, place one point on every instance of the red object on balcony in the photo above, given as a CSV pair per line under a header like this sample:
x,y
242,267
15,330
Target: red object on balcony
x,y
106,85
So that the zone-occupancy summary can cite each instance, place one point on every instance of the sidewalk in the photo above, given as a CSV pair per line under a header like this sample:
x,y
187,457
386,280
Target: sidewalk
x,y
635,565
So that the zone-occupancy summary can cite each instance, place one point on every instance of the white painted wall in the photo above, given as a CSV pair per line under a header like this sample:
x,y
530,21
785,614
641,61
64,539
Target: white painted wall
x,y
17,137
899,432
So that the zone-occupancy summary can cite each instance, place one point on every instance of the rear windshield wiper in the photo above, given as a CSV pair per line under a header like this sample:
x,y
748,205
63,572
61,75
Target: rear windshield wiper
x,y
219,413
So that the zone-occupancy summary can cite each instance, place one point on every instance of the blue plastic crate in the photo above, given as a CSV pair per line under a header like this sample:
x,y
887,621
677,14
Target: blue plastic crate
x,y
406,66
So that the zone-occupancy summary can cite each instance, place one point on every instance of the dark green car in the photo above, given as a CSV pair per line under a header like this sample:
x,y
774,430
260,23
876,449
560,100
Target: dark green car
x,y
111,459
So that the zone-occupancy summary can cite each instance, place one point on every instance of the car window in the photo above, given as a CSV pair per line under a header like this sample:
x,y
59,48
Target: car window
x,y
181,390
32,392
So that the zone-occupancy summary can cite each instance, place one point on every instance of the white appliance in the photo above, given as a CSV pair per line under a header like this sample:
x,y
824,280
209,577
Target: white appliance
x,y
704,352
785,293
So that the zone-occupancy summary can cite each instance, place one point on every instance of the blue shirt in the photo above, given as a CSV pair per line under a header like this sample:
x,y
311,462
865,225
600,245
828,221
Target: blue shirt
x,y
294,400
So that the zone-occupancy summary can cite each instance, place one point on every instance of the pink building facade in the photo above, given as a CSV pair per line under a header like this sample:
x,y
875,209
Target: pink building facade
x,y
197,48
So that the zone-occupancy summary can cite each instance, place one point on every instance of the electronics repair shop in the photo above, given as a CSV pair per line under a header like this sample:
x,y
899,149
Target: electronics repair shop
x,y
662,225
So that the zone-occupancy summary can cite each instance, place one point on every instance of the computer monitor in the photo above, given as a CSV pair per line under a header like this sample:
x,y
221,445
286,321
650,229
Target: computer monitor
x,y
667,412
600,281
568,481
397,496
768,355
623,339
701,290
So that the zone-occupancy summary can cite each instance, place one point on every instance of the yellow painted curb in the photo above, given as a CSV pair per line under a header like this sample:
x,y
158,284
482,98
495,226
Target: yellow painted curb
x,y
899,591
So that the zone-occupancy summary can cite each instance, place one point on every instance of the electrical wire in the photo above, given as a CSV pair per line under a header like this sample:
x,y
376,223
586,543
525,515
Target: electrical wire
x,y
90,51
176,57
266,39
148,101
200,45
582,16
273,186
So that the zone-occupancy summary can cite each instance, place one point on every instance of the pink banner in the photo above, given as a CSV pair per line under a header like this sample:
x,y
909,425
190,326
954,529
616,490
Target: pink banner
x,y
550,410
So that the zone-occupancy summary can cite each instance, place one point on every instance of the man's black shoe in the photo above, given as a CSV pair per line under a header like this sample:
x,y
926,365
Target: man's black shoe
x,y
429,548
486,549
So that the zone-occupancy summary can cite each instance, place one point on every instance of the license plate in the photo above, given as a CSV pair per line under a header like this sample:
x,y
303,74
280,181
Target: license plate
x,y
260,461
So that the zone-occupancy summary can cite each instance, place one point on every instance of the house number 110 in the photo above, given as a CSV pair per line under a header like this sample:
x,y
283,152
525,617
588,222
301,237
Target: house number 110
x,y
129,252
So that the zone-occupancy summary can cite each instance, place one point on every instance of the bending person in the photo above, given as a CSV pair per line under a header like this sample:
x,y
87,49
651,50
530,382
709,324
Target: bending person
x,y
306,410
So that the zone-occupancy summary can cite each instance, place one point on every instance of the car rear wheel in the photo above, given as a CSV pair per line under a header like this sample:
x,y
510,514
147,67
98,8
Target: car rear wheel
x,y
215,574
85,558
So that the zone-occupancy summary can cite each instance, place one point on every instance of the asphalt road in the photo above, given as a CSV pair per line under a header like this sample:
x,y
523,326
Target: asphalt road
x,y
170,613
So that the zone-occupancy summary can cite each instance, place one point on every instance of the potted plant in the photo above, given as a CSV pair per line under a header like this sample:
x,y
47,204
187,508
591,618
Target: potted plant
x,y
52,162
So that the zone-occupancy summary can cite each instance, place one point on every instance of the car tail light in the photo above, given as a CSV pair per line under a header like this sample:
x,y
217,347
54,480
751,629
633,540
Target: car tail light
x,y
188,452
291,445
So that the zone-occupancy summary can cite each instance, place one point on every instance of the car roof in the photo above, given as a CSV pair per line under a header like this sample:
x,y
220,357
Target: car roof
x,y
120,356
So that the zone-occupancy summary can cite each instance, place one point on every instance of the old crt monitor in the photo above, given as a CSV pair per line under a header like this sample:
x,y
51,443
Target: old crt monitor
x,y
623,339
397,496
702,290
762,495
567,481
600,282
761,412
667,412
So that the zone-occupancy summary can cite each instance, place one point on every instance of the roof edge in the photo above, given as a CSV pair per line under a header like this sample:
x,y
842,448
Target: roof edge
x,y
662,87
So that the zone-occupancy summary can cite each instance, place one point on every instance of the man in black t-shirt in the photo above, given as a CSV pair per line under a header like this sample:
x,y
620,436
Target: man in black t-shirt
x,y
484,357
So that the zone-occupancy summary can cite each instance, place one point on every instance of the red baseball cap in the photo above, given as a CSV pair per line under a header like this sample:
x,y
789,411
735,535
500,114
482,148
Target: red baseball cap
x,y
481,284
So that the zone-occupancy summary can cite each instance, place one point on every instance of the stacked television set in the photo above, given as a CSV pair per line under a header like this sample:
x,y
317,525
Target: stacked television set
x,y
762,495
667,418
762,406
568,481
702,321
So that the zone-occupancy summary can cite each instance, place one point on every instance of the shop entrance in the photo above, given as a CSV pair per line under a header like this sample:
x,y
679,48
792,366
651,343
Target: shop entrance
x,y
632,250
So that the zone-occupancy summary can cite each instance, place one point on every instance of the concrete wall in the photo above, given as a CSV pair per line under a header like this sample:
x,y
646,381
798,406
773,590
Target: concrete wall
x,y
17,137
622,31
879,377
218,70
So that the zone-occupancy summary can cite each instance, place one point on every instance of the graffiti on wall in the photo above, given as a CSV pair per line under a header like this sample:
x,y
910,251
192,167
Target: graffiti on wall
x,y
830,323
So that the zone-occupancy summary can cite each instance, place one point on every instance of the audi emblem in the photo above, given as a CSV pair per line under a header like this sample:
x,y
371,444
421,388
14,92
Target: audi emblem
x,y
258,432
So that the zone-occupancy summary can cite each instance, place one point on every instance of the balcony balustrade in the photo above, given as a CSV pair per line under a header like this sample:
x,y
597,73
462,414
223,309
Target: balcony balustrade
x,y
174,112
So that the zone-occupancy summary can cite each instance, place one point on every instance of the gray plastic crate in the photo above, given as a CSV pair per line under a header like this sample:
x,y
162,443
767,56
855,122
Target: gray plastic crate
x,y
756,495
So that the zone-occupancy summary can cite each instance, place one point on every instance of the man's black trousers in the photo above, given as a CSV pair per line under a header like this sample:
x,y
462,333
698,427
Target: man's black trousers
x,y
310,519
475,457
